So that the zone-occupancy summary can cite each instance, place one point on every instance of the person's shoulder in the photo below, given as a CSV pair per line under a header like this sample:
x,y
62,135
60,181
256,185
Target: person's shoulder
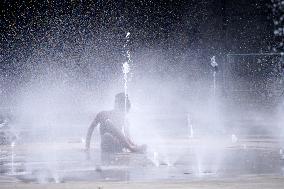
x,y
103,114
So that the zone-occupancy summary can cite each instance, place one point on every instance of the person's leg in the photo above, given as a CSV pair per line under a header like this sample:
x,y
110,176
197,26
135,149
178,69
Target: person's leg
x,y
110,144
118,135
120,138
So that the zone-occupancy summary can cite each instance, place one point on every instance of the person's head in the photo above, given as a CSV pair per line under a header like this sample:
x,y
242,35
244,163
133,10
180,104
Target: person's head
x,y
119,102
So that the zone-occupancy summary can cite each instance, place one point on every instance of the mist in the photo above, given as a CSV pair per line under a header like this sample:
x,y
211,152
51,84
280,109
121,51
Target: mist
x,y
202,104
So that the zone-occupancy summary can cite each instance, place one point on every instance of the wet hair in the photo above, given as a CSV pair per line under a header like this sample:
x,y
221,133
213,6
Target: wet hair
x,y
120,101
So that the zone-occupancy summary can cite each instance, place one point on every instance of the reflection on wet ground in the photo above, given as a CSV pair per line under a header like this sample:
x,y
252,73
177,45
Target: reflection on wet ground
x,y
177,160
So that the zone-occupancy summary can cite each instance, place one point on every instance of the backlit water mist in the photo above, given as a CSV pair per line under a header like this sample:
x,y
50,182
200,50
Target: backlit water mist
x,y
201,116
180,117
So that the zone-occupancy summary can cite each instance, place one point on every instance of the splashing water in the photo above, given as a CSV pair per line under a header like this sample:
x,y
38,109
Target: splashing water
x,y
126,70
156,159
234,138
213,62
12,157
281,153
214,100
190,126
215,67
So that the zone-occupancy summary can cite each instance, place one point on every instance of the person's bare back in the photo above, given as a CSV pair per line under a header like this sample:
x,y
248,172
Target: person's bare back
x,y
114,128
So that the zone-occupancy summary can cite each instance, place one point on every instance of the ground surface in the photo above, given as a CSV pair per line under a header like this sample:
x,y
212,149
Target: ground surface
x,y
248,182
249,162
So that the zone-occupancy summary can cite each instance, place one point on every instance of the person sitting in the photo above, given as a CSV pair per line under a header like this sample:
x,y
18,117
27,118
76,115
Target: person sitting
x,y
114,128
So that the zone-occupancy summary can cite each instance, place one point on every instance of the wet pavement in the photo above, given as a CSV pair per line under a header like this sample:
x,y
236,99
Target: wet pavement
x,y
184,159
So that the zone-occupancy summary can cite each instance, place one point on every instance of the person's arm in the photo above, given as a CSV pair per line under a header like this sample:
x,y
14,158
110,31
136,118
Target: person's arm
x,y
134,147
90,131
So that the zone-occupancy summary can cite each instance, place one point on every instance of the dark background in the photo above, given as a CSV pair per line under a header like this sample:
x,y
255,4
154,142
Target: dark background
x,y
92,35
242,26
71,53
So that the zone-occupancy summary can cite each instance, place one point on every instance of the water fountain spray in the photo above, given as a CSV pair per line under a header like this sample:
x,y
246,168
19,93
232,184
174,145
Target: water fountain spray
x,y
215,70
12,157
189,126
126,70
